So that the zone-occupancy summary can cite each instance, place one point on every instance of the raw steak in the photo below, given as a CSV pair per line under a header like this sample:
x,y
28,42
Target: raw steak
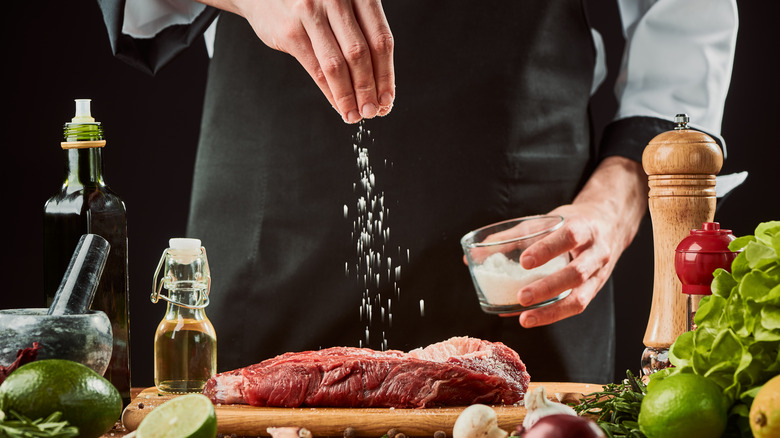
x,y
456,372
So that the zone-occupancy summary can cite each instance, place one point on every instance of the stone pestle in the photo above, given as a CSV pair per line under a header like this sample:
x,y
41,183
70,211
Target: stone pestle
x,y
77,289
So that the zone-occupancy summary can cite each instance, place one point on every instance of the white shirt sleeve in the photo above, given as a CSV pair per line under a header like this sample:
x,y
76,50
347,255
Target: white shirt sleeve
x,y
146,18
678,59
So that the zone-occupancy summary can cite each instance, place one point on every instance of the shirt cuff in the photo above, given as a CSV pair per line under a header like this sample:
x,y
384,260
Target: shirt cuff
x,y
151,54
147,18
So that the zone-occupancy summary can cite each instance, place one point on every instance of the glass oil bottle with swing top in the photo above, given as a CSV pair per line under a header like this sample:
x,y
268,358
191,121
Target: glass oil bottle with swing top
x,y
185,343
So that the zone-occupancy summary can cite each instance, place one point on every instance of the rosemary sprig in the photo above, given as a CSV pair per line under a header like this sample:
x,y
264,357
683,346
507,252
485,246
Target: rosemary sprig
x,y
617,407
20,426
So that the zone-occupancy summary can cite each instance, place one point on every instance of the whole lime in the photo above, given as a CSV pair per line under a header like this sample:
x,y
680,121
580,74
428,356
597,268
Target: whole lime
x,y
765,410
683,406
85,398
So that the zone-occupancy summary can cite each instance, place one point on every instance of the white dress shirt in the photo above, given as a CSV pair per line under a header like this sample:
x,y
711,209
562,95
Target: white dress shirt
x,y
678,53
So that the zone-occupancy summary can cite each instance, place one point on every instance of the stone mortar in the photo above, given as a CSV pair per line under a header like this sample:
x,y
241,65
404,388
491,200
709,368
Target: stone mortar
x,y
86,338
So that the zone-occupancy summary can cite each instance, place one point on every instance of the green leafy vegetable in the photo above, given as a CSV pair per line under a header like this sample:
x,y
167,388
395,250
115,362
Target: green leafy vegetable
x,y
737,341
22,427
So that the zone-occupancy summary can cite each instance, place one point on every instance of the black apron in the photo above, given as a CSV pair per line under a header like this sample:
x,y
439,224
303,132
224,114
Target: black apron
x,y
490,122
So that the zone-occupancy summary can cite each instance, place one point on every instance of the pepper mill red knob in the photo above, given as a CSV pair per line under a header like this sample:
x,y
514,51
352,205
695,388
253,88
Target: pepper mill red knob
x,y
700,254
696,259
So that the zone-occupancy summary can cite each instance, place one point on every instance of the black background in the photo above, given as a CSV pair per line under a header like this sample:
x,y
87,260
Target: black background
x,y
56,51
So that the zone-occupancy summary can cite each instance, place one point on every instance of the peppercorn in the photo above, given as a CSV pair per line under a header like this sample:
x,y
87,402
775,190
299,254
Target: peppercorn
x,y
440,434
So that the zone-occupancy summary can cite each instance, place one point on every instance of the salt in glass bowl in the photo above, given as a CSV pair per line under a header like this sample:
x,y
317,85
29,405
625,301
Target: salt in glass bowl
x,y
494,262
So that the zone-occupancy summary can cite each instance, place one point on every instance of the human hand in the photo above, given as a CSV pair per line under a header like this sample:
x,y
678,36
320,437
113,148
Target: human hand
x,y
598,226
587,236
346,46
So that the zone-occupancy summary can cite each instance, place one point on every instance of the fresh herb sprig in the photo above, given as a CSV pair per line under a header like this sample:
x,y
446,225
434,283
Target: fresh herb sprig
x,y
22,427
617,407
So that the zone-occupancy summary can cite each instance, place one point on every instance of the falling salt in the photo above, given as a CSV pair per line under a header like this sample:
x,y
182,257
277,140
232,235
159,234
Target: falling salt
x,y
373,270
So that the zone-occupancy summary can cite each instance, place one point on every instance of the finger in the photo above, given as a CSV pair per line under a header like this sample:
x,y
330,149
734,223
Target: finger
x,y
357,53
286,33
333,65
519,237
575,274
380,40
559,241
574,304
305,55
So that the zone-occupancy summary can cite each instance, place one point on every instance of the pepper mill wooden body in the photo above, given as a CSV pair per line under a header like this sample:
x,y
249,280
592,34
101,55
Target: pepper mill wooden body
x,y
681,166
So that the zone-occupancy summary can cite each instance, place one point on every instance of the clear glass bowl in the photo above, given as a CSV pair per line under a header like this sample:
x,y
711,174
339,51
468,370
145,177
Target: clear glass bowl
x,y
494,261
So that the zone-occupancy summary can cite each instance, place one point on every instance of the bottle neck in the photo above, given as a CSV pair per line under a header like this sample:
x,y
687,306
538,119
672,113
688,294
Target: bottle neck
x,y
84,158
187,296
84,167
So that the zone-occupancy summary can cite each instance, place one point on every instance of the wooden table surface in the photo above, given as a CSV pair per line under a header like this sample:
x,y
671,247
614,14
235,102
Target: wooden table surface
x,y
118,431
252,421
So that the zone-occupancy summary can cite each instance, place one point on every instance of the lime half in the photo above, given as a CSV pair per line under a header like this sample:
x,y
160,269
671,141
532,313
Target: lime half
x,y
186,416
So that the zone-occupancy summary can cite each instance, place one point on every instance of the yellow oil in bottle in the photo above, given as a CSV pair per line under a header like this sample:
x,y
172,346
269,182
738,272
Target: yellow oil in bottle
x,y
185,343
185,355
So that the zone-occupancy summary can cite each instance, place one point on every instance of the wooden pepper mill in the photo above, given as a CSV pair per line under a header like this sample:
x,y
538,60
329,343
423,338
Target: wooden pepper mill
x,y
681,166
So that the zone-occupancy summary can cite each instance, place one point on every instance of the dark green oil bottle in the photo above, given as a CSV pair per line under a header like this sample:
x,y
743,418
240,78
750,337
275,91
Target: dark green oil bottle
x,y
85,204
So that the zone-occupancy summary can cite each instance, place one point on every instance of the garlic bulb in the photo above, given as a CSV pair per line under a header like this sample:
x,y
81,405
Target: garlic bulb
x,y
538,406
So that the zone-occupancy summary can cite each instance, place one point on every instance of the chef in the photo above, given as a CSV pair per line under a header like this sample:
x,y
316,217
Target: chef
x,y
471,113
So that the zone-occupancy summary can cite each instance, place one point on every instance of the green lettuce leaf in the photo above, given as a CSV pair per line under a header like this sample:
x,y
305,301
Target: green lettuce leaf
x,y
737,340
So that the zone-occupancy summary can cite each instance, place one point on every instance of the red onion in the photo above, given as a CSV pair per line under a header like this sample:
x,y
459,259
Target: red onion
x,y
563,426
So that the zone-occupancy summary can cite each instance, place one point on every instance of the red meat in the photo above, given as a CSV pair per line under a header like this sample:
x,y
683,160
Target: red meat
x,y
456,372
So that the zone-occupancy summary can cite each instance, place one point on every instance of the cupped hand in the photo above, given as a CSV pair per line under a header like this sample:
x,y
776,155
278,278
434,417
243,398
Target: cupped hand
x,y
598,226
345,45
587,236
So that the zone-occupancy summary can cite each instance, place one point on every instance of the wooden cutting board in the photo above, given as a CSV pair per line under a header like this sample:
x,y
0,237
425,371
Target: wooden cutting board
x,y
246,420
